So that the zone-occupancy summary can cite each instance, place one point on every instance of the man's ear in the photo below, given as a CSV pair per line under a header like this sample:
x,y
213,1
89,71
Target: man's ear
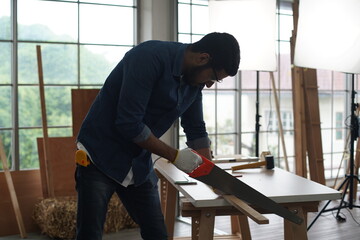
x,y
202,59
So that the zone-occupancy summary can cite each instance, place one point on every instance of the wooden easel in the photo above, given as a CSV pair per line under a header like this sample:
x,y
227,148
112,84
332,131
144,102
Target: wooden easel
x,y
11,187
306,116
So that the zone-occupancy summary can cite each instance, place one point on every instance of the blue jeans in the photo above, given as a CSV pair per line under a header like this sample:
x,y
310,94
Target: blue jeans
x,y
94,192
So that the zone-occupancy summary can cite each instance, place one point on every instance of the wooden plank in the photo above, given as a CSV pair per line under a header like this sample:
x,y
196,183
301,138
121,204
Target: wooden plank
x,y
294,231
312,116
298,104
61,156
206,224
244,227
246,209
28,188
281,132
306,116
12,191
48,168
81,101
240,226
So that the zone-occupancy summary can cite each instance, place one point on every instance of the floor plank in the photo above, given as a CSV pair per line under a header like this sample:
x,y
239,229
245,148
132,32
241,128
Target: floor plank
x,y
325,228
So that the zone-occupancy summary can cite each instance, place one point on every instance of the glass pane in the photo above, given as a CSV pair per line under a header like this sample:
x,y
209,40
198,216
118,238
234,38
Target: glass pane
x,y
44,20
5,60
93,18
340,107
200,2
227,83
325,105
285,67
225,144
29,158
248,111
225,112
335,165
248,144
5,107
5,136
269,142
341,143
195,38
60,132
5,13
249,80
285,7
291,161
326,138
184,18
340,81
184,38
357,82
182,142
209,110
96,62
113,2
286,27
58,106
324,78
214,145
200,19
29,106
59,63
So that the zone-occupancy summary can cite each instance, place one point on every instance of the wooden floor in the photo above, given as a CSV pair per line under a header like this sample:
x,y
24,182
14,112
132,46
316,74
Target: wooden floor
x,y
325,228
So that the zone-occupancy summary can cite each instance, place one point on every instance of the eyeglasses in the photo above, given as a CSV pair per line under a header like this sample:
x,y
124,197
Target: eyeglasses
x,y
216,77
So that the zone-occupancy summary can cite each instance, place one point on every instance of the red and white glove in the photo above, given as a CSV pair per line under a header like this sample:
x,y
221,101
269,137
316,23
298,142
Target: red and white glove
x,y
186,160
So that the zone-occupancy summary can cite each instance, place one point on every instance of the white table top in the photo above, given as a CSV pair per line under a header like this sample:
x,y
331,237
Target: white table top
x,y
277,184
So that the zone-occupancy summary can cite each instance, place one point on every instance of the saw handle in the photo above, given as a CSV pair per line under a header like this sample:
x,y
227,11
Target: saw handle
x,y
204,168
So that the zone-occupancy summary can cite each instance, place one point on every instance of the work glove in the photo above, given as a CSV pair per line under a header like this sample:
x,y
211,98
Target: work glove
x,y
186,160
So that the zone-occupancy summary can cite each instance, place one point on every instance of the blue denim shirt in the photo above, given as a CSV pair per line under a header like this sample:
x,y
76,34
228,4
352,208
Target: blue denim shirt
x,y
143,94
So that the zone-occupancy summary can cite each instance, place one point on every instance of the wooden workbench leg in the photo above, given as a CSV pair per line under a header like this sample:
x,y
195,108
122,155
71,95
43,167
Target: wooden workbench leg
x,y
294,231
168,204
195,226
204,230
240,226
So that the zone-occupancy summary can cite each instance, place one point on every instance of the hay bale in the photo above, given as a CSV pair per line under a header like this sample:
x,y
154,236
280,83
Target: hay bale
x,y
56,217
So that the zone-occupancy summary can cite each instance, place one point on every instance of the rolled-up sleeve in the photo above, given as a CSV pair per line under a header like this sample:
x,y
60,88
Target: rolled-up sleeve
x,y
140,73
194,125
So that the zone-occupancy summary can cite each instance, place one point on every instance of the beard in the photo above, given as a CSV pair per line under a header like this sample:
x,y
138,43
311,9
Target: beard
x,y
190,76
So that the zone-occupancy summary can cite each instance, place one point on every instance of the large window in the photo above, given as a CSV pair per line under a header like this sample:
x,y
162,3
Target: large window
x,y
220,102
230,107
81,41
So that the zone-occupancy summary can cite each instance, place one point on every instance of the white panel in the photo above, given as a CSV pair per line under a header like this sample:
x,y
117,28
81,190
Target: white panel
x,y
328,35
252,22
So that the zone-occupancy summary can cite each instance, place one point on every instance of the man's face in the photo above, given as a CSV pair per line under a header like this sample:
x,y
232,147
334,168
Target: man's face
x,y
207,75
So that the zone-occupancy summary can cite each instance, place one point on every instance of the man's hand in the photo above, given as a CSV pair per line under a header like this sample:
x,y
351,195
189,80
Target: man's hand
x,y
186,160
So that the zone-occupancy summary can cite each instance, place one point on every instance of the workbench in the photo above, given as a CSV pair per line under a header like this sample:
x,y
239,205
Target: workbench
x,y
202,204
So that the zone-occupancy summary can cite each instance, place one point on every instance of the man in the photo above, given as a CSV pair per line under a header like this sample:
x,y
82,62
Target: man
x,y
153,85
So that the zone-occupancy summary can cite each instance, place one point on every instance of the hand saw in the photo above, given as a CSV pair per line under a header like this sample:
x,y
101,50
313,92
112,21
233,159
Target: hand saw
x,y
216,177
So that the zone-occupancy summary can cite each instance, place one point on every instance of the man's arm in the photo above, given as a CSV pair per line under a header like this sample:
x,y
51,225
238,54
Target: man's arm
x,y
206,152
158,147
185,160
